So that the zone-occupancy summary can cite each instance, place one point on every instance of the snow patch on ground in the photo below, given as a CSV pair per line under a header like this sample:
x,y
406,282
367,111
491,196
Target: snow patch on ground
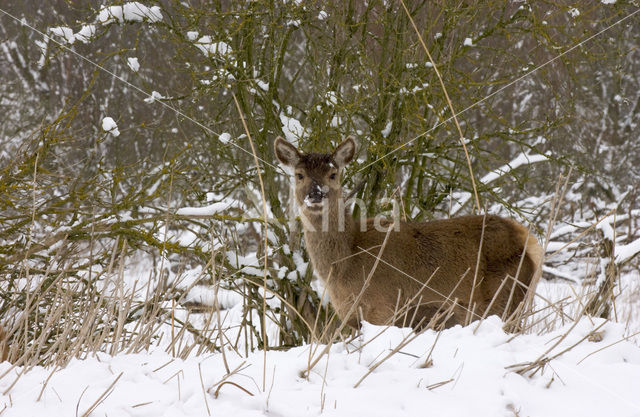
x,y
466,374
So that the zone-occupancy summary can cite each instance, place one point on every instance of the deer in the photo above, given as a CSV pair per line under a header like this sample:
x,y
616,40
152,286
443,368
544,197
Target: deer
x,y
437,273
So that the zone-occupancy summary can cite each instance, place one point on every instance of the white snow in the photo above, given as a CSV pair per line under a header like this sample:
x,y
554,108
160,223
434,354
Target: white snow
x,y
153,97
224,137
109,125
573,12
626,252
322,15
387,129
607,230
209,47
467,375
468,42
133,63
264,86
210,210
292,129
331,98
461,198
63,32
521,159
66,35
132,11
127,12
86,33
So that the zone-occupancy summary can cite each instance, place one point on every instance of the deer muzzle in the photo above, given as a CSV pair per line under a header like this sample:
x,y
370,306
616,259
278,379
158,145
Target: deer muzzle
x,y
316,195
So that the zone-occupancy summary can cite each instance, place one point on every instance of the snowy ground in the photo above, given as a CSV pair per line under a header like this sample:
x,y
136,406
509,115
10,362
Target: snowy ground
x,y
467,376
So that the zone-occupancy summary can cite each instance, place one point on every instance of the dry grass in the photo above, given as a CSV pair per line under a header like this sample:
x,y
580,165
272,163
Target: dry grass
x,y
51,316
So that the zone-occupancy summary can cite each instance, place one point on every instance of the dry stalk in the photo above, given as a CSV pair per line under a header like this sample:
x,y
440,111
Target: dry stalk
x,y
227,376
102,397
217,392
439,384
409,303
493,300
428,360
46,382
315,325
470,313
204,392
404,342
584,232
266,243
624,339
216,301
516,321
538,364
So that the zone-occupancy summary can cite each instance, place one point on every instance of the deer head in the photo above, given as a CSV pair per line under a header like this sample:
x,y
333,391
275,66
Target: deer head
x,y
317,175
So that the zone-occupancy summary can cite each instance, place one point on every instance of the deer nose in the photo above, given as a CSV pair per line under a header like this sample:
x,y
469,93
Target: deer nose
x,y
316,194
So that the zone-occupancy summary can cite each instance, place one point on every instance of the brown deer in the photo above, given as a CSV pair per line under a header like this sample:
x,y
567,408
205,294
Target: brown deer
x,y
410,272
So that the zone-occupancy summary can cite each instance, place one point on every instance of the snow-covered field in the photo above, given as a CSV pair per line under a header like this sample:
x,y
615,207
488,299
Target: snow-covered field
x,y
467,374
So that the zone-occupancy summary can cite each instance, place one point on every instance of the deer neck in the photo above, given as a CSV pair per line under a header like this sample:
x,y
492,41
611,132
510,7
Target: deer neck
x,y
329,237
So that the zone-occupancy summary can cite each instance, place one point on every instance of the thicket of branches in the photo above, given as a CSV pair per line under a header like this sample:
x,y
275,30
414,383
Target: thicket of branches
x,y
75,197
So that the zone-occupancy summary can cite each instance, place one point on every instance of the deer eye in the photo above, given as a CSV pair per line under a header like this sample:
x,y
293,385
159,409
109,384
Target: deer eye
x,y
332,176
300,176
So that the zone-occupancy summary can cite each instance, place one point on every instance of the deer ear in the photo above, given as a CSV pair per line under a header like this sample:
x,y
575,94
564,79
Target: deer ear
x,y
344,152
286,153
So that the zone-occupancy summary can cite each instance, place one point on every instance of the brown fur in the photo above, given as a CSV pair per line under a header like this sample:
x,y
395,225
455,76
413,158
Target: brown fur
x,y
445,252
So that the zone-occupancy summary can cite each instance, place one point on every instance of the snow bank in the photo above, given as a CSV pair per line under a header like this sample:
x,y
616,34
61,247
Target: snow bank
x,y
466,375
